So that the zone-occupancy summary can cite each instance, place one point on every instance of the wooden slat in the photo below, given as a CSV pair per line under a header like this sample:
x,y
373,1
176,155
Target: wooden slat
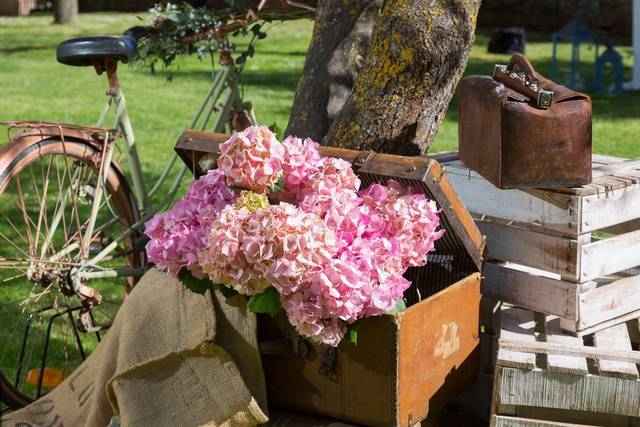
x,y
610,255
552,253
554,211
615,338
506,421
634,332
575,214
574,327
605,159
601,211
615,168
590,393
609,301
576,417
609,183
539,347
544,294
624,227
561,362
517,325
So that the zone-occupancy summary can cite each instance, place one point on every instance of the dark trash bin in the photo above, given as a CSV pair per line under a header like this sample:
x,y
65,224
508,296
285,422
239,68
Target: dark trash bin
x,y
508,40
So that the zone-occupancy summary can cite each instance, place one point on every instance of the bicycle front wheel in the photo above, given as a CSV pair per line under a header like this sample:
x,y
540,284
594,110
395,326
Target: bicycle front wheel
x,y
46,197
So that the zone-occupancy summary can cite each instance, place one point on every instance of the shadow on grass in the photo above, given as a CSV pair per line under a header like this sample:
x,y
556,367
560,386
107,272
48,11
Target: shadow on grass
x,y
27,48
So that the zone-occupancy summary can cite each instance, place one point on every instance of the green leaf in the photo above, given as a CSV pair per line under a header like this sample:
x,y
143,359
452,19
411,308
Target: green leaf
x,y
274,127
278,186
400,306
352,330
199,286
267,302
227,292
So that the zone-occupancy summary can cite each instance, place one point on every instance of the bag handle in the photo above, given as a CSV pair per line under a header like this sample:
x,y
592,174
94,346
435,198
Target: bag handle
x,y
520,76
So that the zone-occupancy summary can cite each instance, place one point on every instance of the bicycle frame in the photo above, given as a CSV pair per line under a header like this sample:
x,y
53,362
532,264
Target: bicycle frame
x,y
223,97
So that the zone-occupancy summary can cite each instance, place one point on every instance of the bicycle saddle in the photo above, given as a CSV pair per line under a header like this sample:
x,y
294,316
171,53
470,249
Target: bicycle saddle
x,y
85,51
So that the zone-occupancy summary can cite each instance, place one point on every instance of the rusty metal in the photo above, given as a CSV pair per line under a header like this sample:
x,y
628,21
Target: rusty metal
x,y
514,142
110,66
51,128
88,295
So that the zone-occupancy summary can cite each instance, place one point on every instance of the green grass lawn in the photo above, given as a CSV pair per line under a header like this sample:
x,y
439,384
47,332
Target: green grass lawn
x,y
34,86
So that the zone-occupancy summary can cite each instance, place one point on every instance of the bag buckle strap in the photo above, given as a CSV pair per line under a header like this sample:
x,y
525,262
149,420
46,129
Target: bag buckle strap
x,y
525,84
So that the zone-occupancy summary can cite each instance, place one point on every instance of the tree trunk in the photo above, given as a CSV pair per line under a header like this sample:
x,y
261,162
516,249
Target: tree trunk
x,y
66,12
417,53
340,42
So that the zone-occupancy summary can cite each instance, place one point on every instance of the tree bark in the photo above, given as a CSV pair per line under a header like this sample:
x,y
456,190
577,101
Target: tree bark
x,y
417,52
340,42
66,11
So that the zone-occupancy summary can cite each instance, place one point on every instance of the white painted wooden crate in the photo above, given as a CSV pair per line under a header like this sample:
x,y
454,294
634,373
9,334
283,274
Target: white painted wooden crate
x,y
547,377
569,252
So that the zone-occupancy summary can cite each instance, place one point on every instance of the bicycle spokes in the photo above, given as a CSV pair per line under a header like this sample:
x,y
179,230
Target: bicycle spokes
x,y
54,214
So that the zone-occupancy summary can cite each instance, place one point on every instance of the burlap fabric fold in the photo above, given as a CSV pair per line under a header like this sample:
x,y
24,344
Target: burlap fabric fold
x,y
171,358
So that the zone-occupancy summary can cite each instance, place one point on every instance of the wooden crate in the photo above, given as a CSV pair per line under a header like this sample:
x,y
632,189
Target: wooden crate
x,y
375,383
547,377
569,252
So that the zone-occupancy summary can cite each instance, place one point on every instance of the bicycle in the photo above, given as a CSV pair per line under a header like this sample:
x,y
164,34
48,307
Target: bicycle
x,y
72,217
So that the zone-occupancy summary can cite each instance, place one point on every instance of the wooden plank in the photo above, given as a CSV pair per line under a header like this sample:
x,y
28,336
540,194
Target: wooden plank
x,y
615,168
615,338
546,209
590,393
624,227
552,253
539,293
608,302
605,159
540,347
573,327
615,207
610,183
574,417
634,332
552,210
517,325
561,362
507,421
610,255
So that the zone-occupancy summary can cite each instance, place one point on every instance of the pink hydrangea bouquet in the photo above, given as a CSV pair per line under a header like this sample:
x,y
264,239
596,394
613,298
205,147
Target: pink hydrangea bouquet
x,y
294,233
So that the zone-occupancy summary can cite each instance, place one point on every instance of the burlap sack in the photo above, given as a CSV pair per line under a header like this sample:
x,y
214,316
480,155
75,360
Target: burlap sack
x,y
171,358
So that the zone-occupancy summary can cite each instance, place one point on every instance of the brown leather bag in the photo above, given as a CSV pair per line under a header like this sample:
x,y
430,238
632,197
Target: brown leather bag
x,y
519,129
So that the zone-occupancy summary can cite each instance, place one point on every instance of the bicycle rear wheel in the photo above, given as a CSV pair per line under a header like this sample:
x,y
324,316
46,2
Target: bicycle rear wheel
x,y
46,193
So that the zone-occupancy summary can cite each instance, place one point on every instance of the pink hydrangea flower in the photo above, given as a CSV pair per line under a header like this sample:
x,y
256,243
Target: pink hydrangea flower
x,y
252,159
301,161
334,182
178,234
335,254
305,313
250,250
411,219
238,248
